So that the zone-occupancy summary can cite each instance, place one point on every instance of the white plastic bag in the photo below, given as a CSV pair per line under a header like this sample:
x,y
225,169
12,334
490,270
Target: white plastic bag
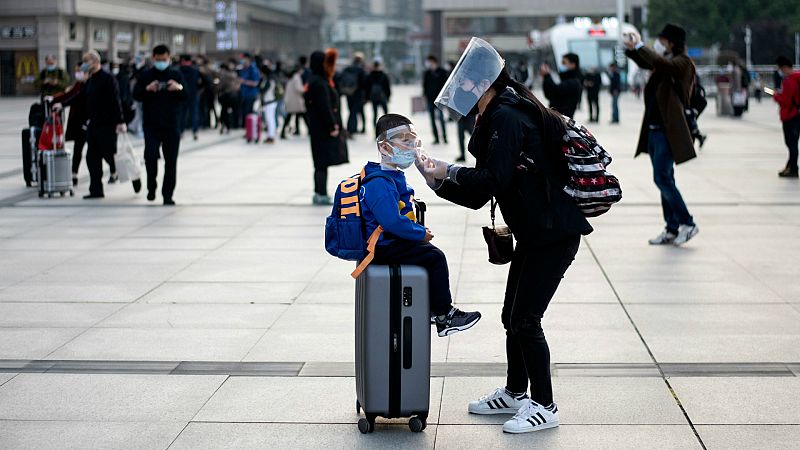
x,y
129,165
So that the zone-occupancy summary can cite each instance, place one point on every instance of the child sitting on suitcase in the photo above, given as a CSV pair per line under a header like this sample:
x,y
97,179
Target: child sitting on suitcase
x,y
404,241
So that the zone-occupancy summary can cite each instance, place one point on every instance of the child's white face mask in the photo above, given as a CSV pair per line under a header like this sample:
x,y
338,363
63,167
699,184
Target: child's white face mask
x,y
404,143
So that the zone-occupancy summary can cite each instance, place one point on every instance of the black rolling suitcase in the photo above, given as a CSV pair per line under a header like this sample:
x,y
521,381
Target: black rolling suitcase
x,y
393,344
30,137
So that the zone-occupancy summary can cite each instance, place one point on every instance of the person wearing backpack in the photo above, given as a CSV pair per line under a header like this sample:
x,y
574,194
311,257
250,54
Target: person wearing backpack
x,y
788,97
665,133
379,89
384,201
351,84
545,221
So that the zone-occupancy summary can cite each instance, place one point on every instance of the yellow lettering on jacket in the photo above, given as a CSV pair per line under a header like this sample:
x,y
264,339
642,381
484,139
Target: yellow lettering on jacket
x,y
349,185
351,210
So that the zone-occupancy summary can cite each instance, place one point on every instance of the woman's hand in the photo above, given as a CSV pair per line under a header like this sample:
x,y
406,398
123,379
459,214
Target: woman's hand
x,y
428,235
434,168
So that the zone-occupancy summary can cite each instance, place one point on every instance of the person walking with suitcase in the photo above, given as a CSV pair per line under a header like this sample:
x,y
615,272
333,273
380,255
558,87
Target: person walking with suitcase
x,y
76,125
545,221
105,121
161,91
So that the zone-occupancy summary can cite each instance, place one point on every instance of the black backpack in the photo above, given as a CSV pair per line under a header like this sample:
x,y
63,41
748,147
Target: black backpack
x,y
698,101
36,115
348,82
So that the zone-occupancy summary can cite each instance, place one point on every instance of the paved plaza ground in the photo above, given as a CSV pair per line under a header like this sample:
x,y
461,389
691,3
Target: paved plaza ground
x,y
222,322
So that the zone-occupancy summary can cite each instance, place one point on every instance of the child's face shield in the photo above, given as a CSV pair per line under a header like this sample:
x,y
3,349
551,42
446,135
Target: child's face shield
x,y
474,73
404,137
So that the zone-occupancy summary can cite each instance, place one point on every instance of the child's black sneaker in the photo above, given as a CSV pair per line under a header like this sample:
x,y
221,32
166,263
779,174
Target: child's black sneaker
x,y
455,321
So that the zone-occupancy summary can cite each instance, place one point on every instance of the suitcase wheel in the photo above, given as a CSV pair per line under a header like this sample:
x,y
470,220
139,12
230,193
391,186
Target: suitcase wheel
x,y
417,424
366,426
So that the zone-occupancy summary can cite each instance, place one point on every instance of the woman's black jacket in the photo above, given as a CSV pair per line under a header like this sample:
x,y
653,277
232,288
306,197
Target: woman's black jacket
x,y
532,202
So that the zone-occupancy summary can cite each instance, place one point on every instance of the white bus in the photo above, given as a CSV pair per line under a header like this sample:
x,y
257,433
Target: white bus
x,y
594,43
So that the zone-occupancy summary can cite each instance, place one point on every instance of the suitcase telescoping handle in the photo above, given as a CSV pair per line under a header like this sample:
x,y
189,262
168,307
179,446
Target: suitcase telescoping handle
x,y
420,208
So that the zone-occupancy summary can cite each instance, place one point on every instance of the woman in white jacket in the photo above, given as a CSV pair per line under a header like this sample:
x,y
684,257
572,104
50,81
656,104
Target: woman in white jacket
x,y
294,103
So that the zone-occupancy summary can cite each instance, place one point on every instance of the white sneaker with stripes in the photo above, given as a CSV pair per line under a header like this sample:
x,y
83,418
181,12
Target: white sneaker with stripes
x,y
532,417
498,402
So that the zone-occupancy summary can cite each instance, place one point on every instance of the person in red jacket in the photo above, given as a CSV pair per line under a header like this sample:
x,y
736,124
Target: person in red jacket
x,y
788,97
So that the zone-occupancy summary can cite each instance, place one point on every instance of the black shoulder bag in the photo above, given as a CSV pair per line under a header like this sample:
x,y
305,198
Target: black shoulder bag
x,y
499,240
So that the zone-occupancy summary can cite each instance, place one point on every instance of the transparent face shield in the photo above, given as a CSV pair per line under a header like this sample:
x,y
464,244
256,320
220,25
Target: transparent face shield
x,y
474,73
400,146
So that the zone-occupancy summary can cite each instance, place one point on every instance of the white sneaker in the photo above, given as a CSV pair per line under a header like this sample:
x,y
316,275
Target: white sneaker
x,y
498,402
532,417
664,238
685,232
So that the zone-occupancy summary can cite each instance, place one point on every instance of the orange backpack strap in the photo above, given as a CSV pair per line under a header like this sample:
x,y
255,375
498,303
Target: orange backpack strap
x,y
371,243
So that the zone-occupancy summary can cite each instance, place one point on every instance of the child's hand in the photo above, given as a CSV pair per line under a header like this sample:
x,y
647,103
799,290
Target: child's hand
x,y
428,235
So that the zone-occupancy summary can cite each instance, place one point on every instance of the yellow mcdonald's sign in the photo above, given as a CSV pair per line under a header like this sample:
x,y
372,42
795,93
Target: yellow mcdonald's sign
x,y
26,67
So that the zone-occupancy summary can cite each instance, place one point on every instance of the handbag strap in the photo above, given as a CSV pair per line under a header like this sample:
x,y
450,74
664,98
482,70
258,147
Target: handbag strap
x,y
492,214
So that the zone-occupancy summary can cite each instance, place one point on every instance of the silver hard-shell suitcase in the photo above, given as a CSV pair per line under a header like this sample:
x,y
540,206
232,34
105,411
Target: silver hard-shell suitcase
x,y
55,172
393,345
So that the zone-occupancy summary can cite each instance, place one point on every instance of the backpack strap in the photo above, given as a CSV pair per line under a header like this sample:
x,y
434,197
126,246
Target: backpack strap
x,y
373,239
371,243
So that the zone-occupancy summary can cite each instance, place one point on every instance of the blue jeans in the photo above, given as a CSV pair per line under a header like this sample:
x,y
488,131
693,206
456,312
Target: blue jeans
x,y
672,204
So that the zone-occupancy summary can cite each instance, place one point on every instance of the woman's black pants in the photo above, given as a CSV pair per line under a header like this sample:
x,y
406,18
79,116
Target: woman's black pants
x,y
533,278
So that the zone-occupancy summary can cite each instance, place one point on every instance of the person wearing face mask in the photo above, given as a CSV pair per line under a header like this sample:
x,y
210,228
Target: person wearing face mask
x,y
564,96
105,121
78,115
160,90
387,202
249,81
52,79
665,133
545,221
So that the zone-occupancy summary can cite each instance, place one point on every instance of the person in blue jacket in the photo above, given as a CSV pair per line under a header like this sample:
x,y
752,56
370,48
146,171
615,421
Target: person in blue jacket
x,y
387,201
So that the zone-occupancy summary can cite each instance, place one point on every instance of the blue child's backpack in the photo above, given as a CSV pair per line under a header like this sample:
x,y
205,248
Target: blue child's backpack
x,y
345,230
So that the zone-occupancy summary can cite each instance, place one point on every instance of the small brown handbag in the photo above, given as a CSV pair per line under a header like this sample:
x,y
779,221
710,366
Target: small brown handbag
x,y
499,240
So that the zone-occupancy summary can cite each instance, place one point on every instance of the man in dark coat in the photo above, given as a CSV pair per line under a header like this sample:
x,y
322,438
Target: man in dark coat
x,y
352,82
324,123
161,91
433,81
379,89
565,96
105,121
593,82
665,134
615,88
191,82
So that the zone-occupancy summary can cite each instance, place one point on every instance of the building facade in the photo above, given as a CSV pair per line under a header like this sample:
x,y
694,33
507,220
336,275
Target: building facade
x,y
118,30
276,29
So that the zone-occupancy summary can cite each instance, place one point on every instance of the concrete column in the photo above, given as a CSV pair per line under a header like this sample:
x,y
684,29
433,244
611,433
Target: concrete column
x,y
112,41
50,38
